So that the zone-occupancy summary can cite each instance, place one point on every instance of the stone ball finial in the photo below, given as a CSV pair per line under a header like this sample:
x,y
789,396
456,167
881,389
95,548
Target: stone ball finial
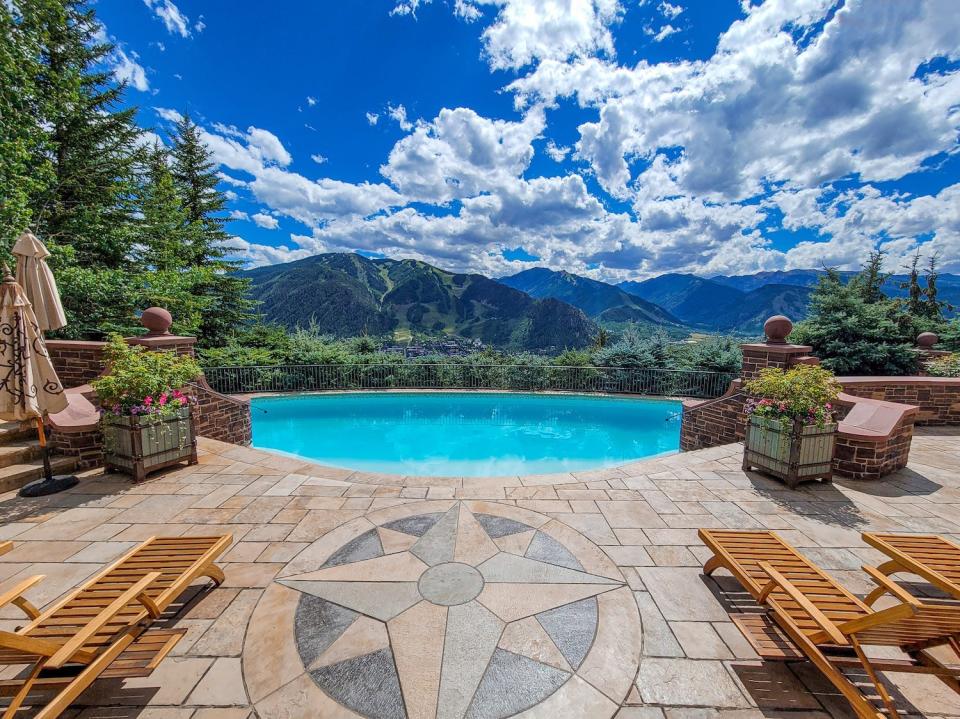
x,y
777,329
157,320
926,340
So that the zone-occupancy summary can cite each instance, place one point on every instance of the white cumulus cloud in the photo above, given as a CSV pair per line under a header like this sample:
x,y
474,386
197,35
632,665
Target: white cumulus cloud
x,y
173,19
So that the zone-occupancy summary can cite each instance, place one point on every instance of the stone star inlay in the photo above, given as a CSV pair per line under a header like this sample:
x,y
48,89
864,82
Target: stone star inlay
x,y
447,615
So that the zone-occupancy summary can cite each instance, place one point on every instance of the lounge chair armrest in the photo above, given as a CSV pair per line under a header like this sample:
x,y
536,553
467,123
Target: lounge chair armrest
x,y
109,612
778,580
886,584
15,596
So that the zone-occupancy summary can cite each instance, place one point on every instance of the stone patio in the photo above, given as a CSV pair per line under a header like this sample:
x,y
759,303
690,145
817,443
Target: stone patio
x,y
361,595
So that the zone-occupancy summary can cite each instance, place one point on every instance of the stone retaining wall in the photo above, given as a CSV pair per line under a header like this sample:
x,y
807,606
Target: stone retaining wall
x,y
937,397
220,416
86,445
76,362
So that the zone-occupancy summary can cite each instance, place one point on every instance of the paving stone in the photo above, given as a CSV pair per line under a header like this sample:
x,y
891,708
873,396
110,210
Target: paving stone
x,y
366,597
416,526
366,546
630,515
515,543
681,595
368,685
450,584
672,556
225,637
528,638
511,568
658,640
473,545
363,636
222,685
437,544
688,682
318,624
471,638
545,548
700,641
511,684
572,628
417,637
498,527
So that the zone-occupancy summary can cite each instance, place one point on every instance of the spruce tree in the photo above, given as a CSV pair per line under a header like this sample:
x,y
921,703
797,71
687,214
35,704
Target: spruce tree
x,y
92,145
165,234
24,168
195,173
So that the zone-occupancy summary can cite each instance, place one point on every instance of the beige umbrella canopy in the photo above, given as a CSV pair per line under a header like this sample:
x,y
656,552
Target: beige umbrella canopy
x,y
29,386
37,282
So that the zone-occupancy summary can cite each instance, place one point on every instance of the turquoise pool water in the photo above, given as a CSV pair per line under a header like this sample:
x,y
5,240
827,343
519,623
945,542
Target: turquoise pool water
x,y
467,434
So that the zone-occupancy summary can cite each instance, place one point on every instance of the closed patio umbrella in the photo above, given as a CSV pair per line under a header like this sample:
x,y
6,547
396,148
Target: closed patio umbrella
x,y
36,279
29,386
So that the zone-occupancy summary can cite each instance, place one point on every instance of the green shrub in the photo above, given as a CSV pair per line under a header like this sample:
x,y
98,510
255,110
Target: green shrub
x,y
142,382
805,393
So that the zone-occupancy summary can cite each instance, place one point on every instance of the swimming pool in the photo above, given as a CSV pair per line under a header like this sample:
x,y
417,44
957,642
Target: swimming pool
x,y
466,434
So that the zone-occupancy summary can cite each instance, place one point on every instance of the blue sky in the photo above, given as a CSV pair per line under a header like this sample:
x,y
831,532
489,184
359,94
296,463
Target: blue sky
x,y
616,138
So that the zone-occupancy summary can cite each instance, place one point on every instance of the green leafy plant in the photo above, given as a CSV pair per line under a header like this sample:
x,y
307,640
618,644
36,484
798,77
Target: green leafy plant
x,y
805,393
948,366
143,383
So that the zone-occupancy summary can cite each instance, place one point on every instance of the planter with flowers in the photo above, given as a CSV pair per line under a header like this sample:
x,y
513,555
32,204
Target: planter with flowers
x,y
147,419
791,423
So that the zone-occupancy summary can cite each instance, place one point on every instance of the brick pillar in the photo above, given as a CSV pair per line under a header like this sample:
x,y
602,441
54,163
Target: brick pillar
x,y
775,352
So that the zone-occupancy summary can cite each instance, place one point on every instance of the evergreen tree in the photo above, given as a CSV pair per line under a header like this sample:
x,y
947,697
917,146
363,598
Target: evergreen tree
x,y
195,173
869,283
914,302
854,337
933,307
24,168
165,234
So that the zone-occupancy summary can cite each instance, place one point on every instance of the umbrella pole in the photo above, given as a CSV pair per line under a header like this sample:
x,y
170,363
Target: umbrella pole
x,y
49,484
47,471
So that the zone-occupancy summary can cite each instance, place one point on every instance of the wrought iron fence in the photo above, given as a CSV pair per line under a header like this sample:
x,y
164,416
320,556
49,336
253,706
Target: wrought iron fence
x,y
614,380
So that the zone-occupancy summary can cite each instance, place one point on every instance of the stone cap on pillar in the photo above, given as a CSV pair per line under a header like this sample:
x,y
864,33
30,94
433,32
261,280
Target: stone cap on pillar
x,y
927,340
157,320
777,329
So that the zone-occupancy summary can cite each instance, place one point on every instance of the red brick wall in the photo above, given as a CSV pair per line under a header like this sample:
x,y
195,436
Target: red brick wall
x,y
937,397
220,416
85,445
870,458
76,363
712,422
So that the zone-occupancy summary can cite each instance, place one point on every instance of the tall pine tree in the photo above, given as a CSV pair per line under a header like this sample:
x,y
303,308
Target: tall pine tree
x,y
24,169
92,144
195,173
165,234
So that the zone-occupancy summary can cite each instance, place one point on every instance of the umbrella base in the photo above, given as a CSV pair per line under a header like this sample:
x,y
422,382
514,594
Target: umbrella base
x,y
52,485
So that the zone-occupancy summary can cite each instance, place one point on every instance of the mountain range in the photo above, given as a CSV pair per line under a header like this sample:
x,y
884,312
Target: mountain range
x,y
347,295
537,309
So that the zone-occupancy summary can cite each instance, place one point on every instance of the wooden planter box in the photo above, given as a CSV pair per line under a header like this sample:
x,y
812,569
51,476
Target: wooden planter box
x,y
140,445
793,453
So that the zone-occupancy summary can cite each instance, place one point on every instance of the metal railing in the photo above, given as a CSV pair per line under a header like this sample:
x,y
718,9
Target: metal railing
x,y
614,380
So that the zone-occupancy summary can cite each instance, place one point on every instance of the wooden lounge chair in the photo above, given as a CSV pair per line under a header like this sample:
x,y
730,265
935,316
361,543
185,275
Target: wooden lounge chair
x,y
103,628
810,615
935,559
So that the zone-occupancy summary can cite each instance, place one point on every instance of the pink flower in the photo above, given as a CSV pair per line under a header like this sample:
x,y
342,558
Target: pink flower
x,y
829,406
148,400
181,400
163,399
